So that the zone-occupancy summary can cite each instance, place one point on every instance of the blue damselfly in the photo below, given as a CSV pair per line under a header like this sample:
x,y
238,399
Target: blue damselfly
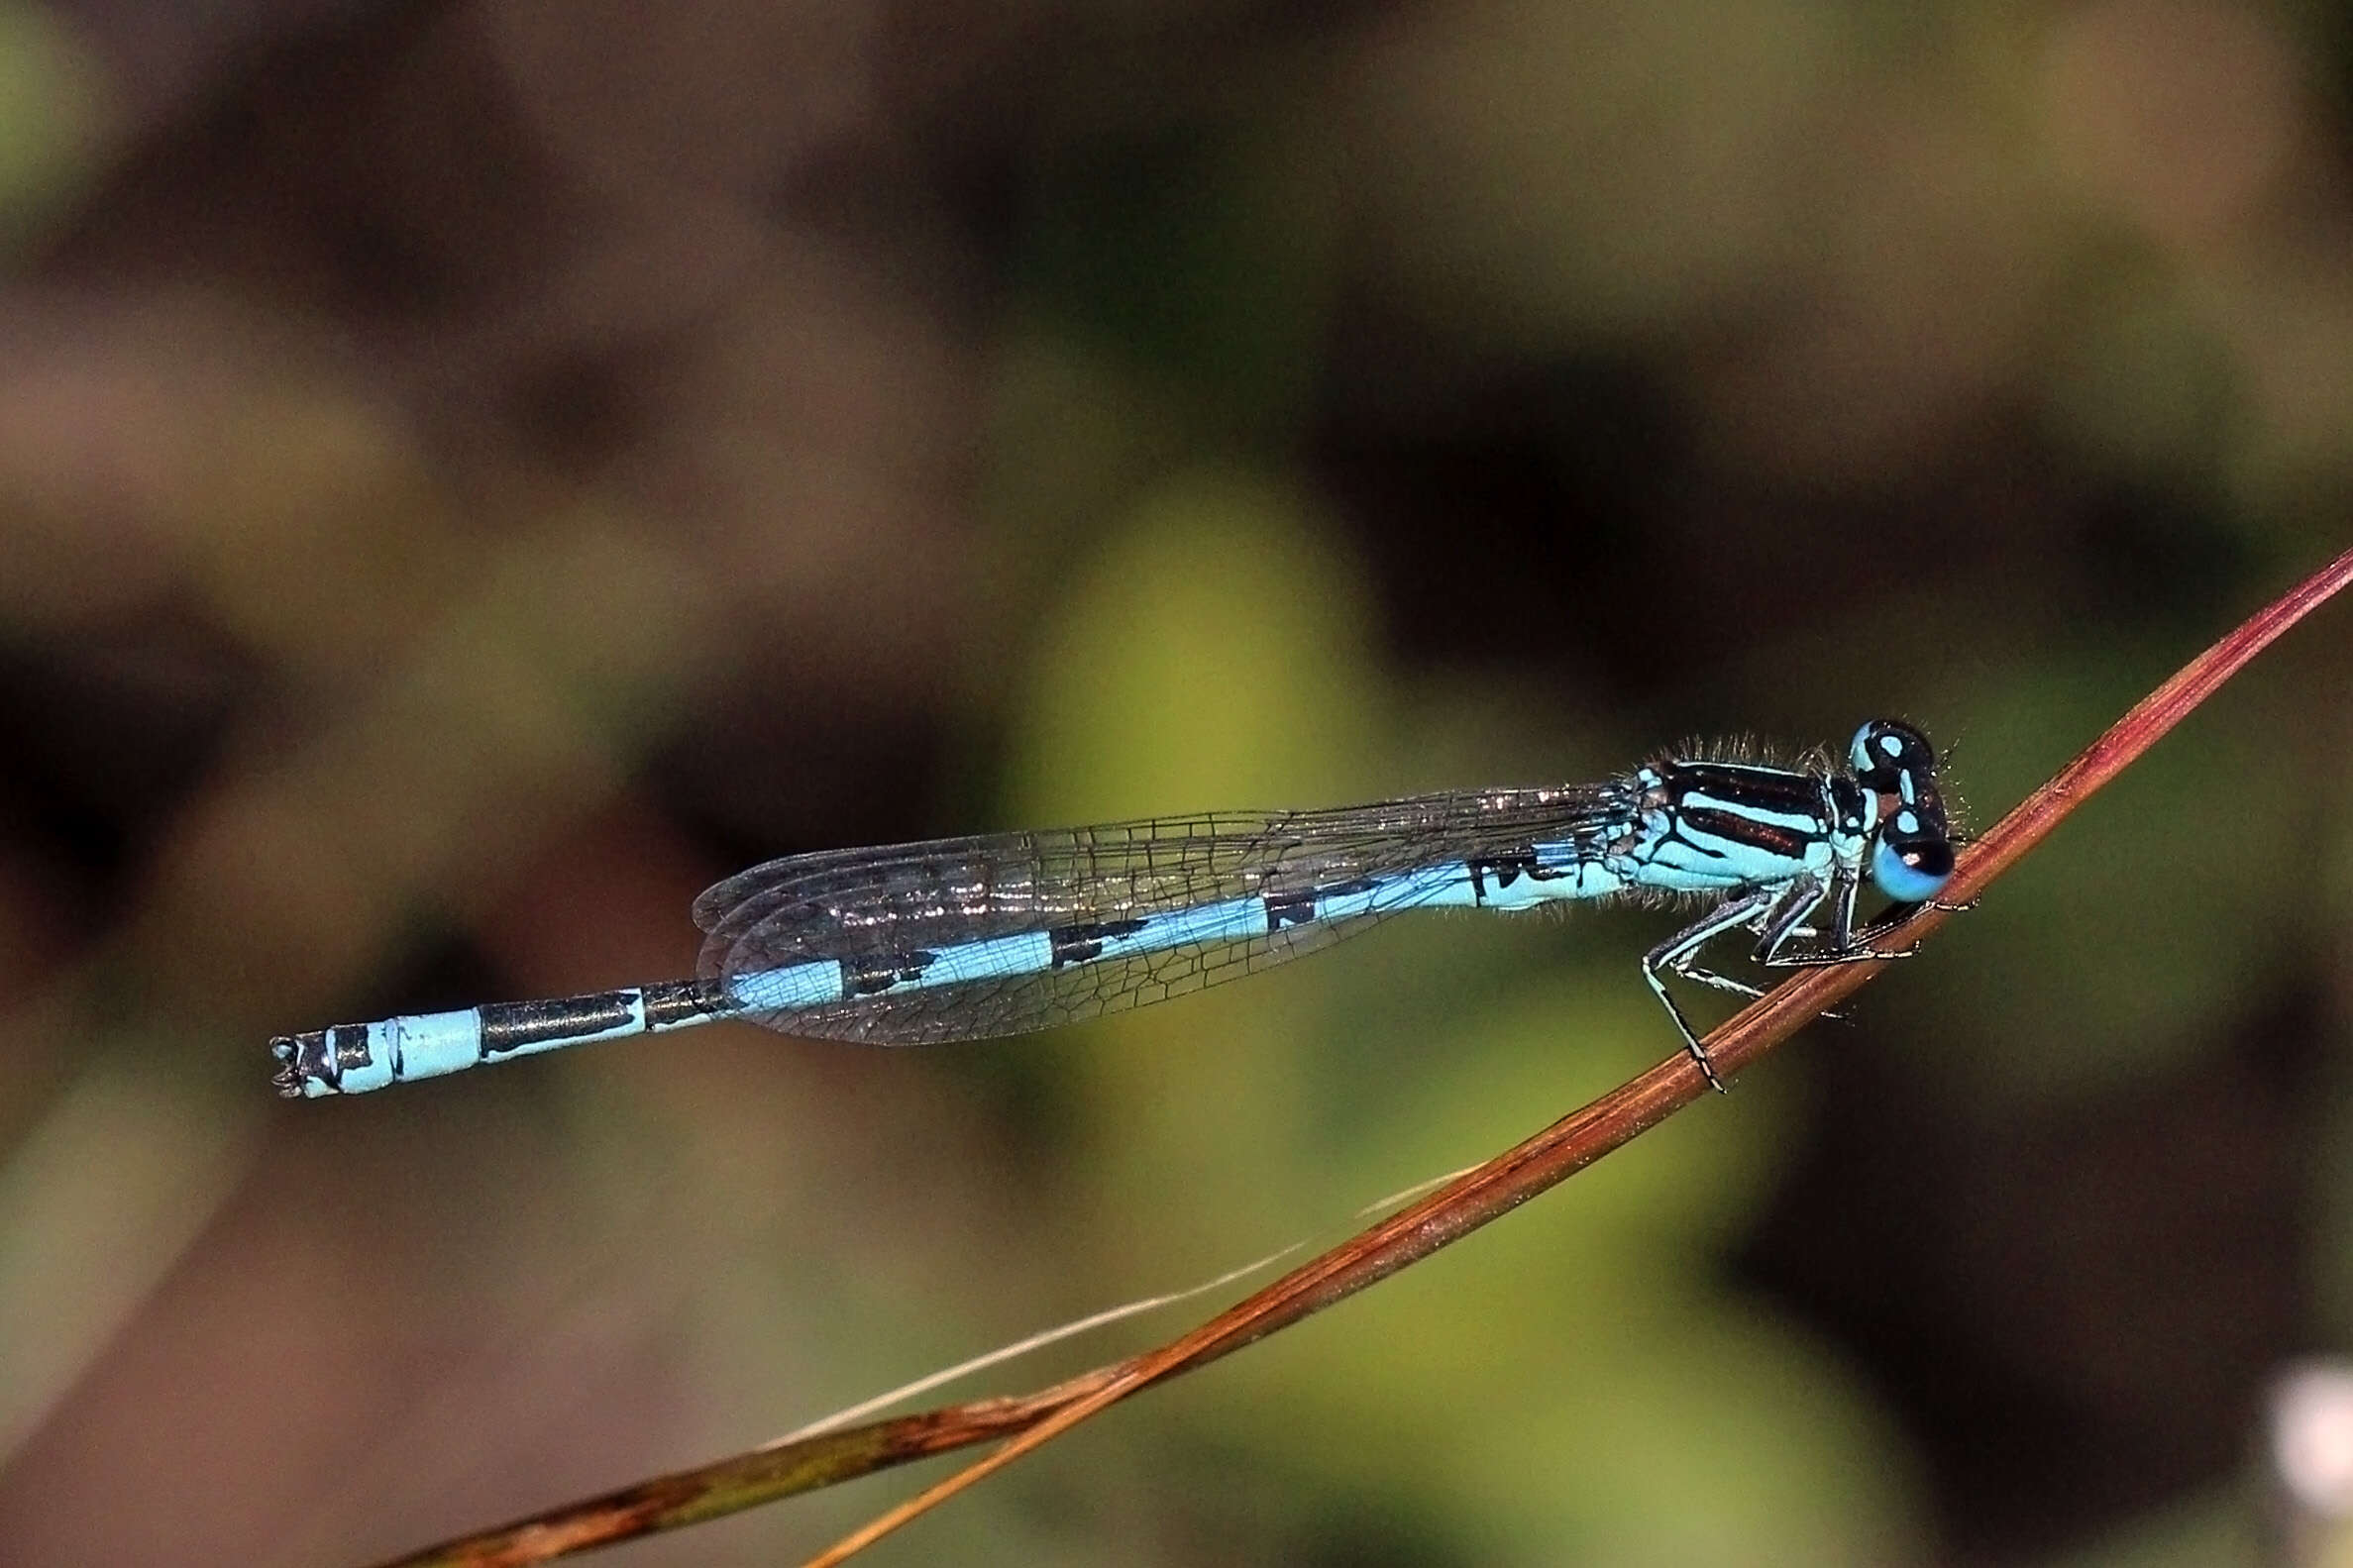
x,y
963,938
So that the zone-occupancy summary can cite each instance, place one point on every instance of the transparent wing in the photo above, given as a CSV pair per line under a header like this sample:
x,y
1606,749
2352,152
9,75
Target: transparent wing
x,y
878,903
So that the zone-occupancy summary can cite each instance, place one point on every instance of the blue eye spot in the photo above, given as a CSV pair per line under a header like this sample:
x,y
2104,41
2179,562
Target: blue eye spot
x,y
1908,822
1887,754
1911,875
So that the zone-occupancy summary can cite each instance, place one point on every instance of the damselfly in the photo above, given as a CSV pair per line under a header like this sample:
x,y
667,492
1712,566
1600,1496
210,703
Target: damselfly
x,y
963,938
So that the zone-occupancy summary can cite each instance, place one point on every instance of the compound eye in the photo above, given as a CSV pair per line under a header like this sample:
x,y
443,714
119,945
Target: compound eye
x,y
1885,752
1911,869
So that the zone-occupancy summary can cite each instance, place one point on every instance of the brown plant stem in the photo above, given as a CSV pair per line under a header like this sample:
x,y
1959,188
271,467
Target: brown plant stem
x,y
1579,1139
1454,1211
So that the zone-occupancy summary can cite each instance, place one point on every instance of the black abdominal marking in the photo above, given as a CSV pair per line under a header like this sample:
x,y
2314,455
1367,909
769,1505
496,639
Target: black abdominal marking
x,y
1506,870
863,977
1082,944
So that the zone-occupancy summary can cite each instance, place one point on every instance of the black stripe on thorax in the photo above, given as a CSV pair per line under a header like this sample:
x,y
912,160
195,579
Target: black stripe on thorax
x,y
1733,827
1766,789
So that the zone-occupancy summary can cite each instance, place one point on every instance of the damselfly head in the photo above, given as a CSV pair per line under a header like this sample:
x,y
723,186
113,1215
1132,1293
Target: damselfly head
x,y
1913,855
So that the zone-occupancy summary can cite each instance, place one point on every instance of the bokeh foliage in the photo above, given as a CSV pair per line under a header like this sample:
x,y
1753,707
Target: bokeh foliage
x,y
471,473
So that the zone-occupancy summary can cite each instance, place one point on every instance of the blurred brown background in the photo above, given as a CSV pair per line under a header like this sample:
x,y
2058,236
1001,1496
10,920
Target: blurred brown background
x,y
471,473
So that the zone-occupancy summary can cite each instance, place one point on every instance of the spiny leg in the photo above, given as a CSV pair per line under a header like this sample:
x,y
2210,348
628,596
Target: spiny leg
x,y
1845,943
1823,958
1708,977
1787,920
1676,952
1776,924
1786,915
1686,965
1857,948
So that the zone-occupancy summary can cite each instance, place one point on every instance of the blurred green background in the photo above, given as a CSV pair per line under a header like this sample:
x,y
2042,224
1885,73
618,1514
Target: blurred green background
x,y
472,473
